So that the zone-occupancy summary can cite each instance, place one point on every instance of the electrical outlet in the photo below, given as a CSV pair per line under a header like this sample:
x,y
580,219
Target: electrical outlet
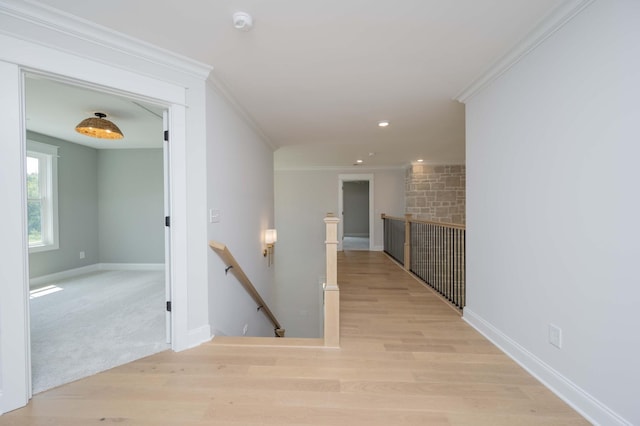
x,y
555,336
244,329
82,255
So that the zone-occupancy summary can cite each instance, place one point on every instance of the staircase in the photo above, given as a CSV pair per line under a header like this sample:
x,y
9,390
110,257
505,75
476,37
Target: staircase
x,y
331,337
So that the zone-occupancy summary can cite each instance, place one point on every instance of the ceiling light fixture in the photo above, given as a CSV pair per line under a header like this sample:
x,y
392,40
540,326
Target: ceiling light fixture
x,y
242,21
99,127
359,161
420,160
383,123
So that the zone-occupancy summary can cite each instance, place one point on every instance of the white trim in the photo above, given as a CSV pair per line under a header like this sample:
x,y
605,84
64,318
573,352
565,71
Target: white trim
x,y
131,266
47,154
557,19
215,332
198,336
70,273
223,90
62,275
91,72
43,148
588,406
350,178
46,17
14,327
378,248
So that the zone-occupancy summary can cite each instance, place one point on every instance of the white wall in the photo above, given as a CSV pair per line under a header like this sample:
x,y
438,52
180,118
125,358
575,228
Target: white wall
x,y
82,55
303,198
553,208
240,176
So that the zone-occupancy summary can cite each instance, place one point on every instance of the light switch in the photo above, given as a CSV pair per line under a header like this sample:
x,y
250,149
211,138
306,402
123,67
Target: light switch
x,y
214,215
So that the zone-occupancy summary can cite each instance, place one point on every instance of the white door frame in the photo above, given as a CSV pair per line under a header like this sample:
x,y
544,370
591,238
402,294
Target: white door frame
x,y
15,364
167,213
342,178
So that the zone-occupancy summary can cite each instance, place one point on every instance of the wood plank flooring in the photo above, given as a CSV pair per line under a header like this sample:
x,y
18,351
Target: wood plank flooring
x,y
406,359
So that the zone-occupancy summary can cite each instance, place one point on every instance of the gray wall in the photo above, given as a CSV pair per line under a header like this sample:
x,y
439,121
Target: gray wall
x,y
303,198
77,209
552,211
110,205
356,208
130,201
240,186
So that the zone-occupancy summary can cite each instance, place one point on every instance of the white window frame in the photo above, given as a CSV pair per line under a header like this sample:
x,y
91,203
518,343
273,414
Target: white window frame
x,y
48,180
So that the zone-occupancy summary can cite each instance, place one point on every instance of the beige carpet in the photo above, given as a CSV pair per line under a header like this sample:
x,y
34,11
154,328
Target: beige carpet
x,y
95,322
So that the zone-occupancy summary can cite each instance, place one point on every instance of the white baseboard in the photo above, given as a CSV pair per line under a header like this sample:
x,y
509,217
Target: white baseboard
x,y
378,248
131,266
588,406
69,273
199,336
63,275
215,332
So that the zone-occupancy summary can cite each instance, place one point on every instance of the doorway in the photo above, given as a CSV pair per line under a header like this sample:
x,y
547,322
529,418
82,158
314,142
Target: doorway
x,y
99,277
356,207
356,215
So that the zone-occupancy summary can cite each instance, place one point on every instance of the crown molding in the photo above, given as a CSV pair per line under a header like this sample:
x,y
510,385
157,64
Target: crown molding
x,y
557,19
224,91
32,13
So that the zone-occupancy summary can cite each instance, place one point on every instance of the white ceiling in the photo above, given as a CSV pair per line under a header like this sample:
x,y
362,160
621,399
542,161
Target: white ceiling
x,y
317,75
55,108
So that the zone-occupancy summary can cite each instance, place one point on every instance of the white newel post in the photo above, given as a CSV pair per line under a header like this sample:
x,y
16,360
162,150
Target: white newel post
x,y
331,290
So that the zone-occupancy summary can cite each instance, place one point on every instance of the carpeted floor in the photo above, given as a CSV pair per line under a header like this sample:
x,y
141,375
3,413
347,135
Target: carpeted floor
x,y
97,321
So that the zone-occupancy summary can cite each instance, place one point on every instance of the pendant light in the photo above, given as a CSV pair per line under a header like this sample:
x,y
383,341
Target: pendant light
x,y
99,127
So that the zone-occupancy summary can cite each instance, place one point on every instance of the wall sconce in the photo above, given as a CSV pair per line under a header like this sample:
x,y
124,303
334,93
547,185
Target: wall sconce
x,y
270,238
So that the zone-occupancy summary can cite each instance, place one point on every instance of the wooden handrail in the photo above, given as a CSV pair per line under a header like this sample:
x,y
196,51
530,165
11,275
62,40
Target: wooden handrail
x,y
402,219
234,266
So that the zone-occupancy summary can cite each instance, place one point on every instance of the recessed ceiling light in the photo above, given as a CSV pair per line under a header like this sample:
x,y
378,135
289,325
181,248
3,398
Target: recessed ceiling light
x,y
359,161
383,123
420,160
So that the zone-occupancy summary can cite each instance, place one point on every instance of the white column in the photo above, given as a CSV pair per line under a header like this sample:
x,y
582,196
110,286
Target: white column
x,y
331,290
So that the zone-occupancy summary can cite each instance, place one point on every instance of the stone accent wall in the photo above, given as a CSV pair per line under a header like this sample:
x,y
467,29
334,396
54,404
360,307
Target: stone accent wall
x,y
436,193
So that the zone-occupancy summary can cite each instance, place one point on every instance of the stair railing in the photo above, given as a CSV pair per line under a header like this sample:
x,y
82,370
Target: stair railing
x,y
236,270
432,251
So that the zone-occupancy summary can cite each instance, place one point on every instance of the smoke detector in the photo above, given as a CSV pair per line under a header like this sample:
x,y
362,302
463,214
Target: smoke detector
x,y
242,21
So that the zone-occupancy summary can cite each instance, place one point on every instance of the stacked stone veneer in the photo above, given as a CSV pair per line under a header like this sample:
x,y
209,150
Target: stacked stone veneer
x,y
436,193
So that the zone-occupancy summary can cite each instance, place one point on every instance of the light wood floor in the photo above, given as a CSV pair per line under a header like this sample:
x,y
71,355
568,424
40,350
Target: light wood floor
x,y
406,359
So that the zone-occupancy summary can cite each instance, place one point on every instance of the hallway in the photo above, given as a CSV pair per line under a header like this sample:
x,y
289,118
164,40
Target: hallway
x,y
407,358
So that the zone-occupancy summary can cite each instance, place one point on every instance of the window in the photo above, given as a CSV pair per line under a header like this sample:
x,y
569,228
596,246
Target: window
x,y
42,196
